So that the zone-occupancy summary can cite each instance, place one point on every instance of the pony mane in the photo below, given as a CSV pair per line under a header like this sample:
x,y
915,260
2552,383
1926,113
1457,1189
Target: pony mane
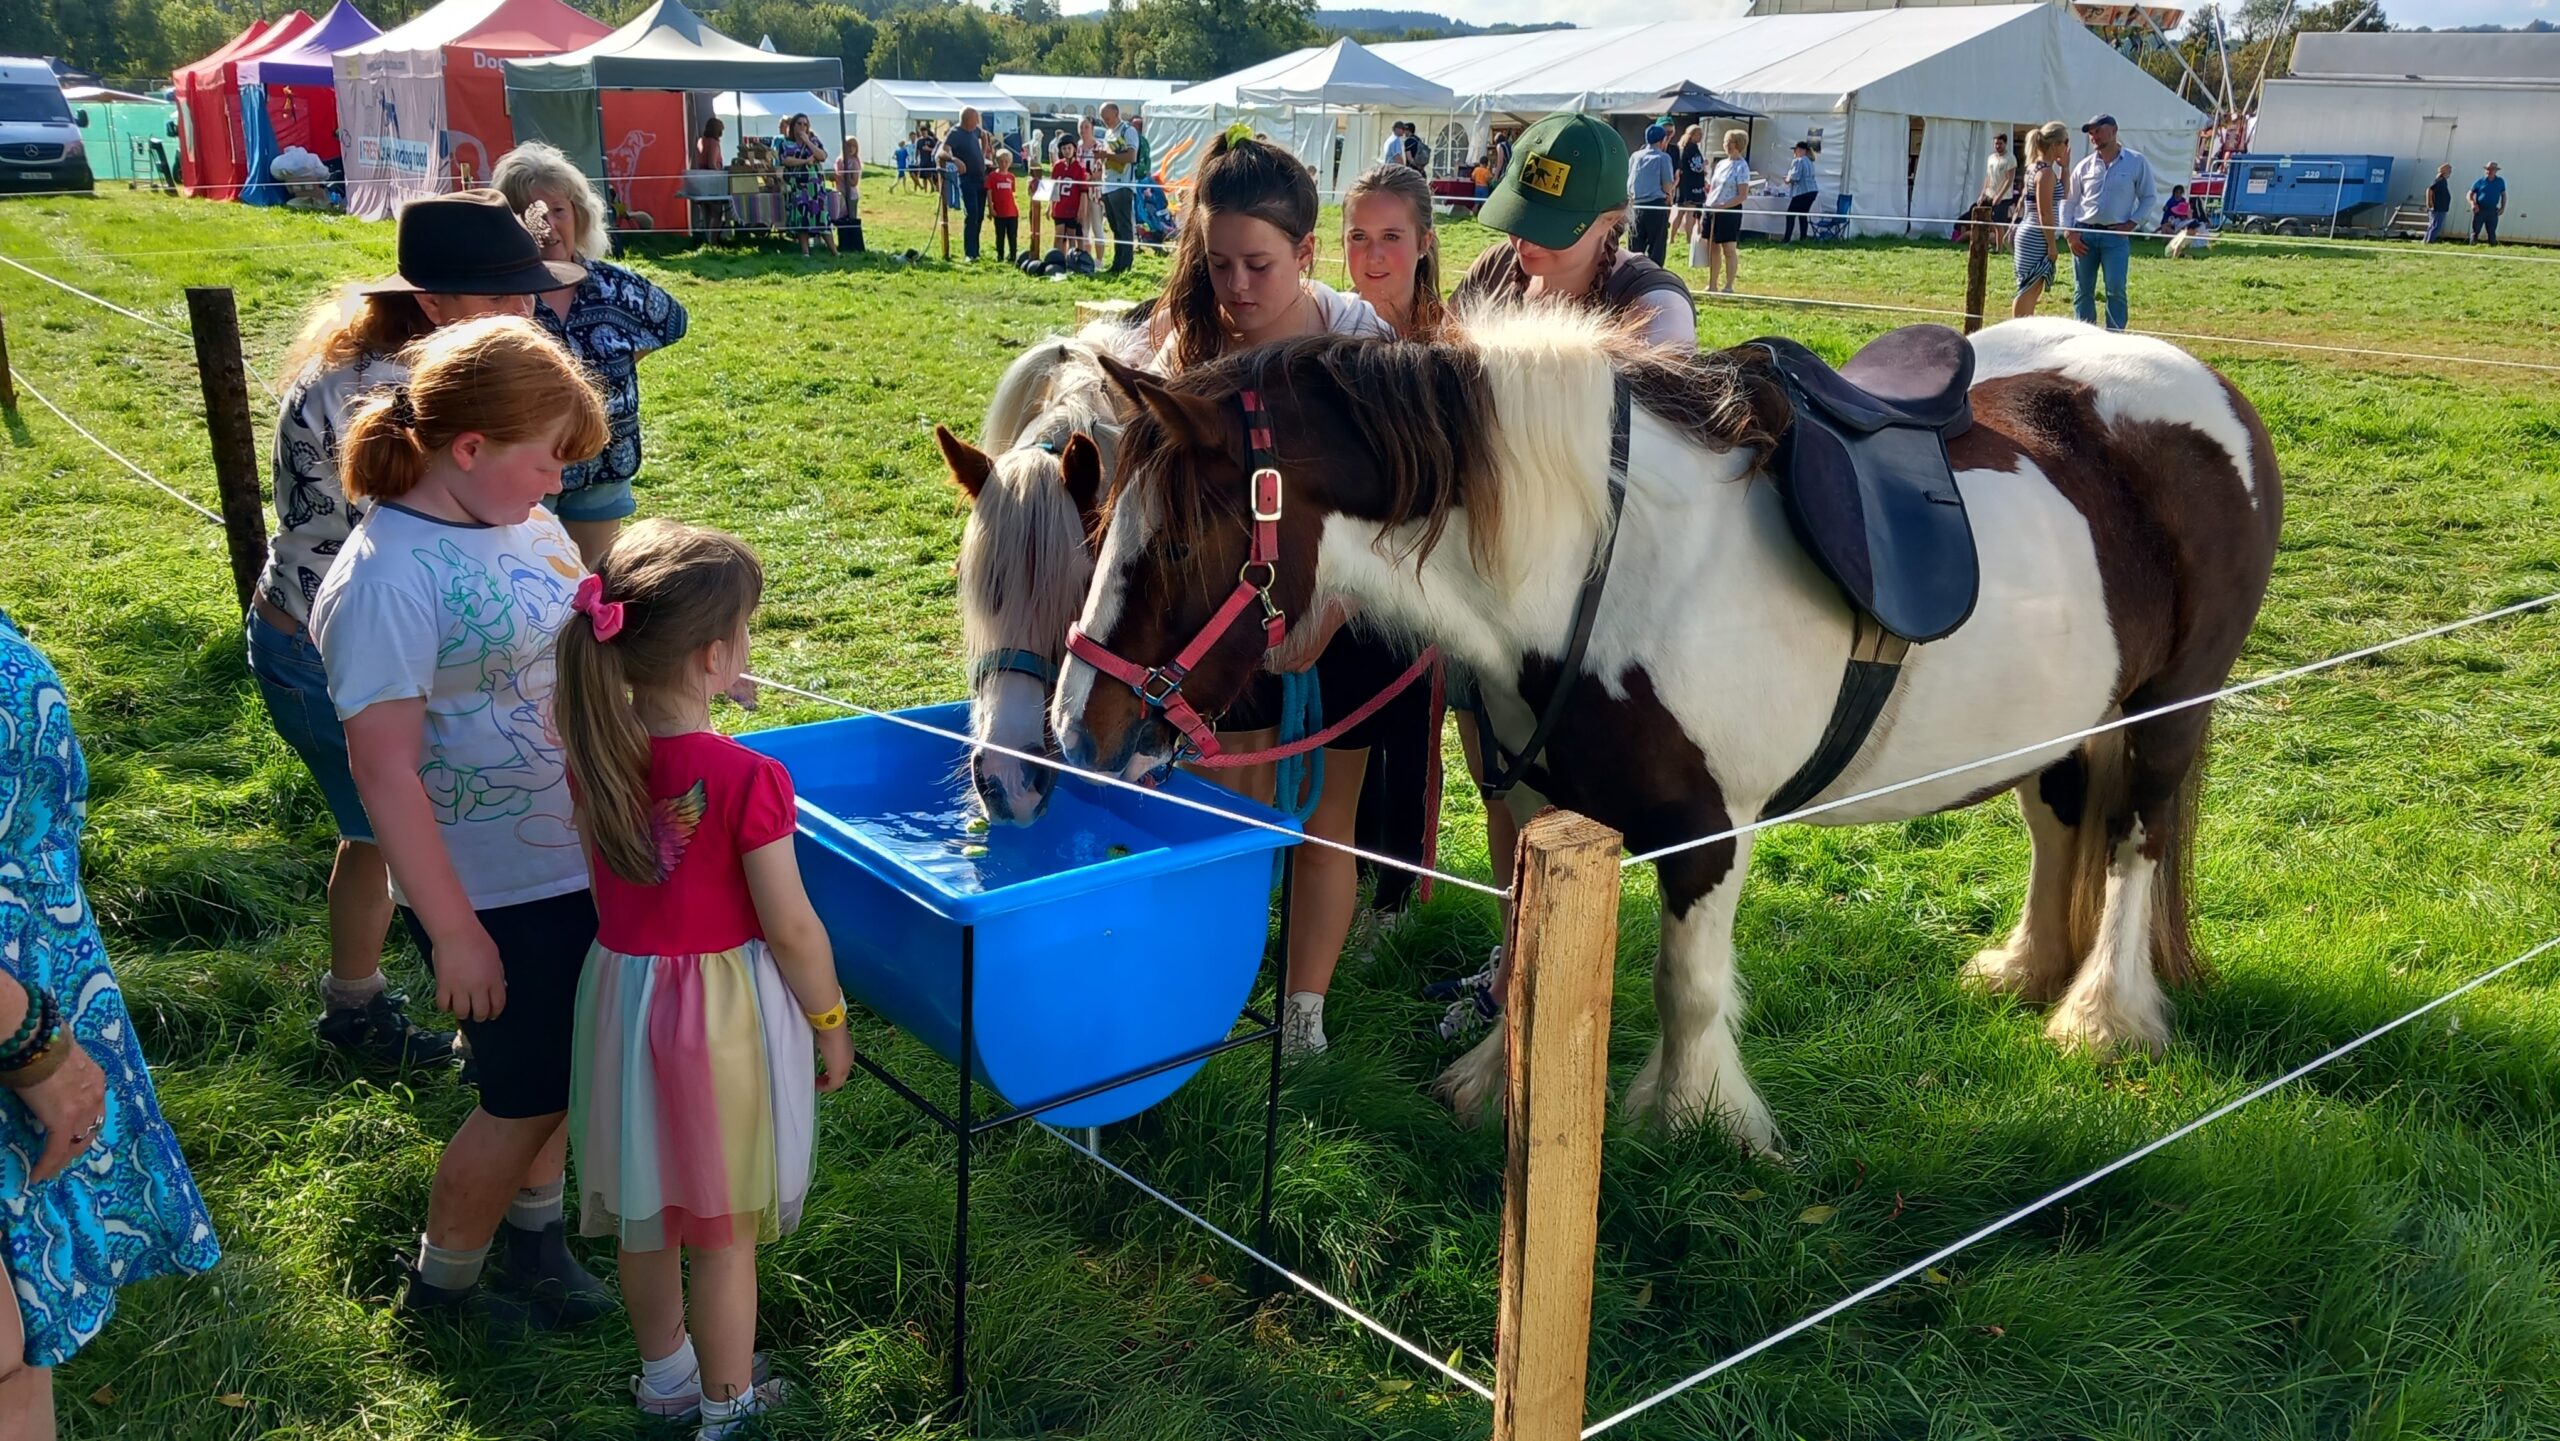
x,y
1494,417
1025,551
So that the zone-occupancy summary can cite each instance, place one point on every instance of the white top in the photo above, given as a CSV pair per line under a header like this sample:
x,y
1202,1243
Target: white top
x,y
463,617
1997,172
1344,314
1732,177
313,515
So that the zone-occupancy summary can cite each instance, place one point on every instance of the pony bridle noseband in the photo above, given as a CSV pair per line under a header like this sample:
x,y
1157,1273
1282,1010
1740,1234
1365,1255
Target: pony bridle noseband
x,y
1161,686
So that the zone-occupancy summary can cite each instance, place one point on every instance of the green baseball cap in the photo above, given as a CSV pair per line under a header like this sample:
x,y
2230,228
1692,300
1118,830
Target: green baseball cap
x,y
1566,172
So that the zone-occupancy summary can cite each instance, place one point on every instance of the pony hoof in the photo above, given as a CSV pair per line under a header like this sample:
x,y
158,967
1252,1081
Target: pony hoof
x,y
2004,971
2105,1034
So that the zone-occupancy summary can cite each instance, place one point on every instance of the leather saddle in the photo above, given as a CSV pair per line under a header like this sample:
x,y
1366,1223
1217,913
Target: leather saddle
x,y
1866,479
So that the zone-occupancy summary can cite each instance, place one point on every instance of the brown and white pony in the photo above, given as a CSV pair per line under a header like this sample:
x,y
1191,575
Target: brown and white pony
x,y
1026,556
2123,497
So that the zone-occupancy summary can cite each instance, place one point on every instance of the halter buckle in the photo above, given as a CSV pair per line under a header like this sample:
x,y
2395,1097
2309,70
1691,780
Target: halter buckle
x,y
1266,482
1170,680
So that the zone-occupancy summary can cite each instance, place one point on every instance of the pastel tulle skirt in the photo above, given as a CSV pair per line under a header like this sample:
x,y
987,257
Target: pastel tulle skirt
x,y
692,1099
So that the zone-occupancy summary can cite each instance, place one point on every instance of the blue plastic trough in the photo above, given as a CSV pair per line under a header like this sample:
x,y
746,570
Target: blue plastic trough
x,y
1117,933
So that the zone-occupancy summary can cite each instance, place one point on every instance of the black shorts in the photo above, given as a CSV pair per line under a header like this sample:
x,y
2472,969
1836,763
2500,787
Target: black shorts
x,y
522,1057
2004,210
1724,227
1353,670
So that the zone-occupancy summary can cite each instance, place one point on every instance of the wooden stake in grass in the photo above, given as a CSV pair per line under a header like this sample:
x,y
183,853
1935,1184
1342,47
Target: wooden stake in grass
x,y
215,319
8,382
1564,950
1977,260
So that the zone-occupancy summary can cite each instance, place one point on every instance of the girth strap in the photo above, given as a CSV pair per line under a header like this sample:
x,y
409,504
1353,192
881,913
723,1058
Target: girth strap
x,y
1875,664
1502,768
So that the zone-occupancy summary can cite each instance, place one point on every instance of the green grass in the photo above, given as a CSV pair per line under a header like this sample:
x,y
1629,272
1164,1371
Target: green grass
x,y
2373,1253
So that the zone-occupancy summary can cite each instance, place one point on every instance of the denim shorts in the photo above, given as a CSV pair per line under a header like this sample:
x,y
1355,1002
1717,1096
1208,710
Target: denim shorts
x,y
605,500
296,690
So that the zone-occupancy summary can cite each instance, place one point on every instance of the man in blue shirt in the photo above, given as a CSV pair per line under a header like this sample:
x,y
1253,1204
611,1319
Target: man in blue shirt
x,y
2111,190
2488,202
1649,177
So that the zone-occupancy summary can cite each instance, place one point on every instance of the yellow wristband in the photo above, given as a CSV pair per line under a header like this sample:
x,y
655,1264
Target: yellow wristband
x,y
830,1019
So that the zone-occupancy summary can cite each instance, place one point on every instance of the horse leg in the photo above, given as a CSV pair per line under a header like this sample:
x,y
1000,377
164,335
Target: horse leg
x,y
2116,1004
2037,960
1696,1070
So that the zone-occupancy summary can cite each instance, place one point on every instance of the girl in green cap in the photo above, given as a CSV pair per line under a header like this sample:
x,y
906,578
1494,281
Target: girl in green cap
x,y
1563,202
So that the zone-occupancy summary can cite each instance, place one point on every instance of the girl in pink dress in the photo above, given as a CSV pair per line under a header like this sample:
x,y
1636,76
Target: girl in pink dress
x,y
692,1104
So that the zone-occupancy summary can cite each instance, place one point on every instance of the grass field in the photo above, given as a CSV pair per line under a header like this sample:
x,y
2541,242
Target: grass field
x,y
2372,1253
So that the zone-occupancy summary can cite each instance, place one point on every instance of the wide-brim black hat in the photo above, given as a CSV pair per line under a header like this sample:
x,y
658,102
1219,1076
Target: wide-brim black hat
x,y
471,243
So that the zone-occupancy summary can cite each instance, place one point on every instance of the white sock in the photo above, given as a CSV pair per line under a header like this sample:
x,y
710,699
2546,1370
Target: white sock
x,y
348,995
450,1268
536,1207
673,1374
1310,1005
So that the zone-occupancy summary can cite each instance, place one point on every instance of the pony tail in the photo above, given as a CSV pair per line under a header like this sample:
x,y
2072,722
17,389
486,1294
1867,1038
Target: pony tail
x,y
382,457
607,750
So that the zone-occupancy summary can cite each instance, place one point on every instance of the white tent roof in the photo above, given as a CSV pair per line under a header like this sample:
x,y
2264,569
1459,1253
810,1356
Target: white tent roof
x,y
773,105
1986,62
1347,73
1082,92
943,99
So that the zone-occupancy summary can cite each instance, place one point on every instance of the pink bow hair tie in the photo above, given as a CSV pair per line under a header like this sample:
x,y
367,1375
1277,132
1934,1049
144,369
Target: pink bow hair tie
x,y
604,615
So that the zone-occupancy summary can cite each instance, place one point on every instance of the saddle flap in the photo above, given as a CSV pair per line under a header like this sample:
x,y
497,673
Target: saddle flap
x,y
1879,511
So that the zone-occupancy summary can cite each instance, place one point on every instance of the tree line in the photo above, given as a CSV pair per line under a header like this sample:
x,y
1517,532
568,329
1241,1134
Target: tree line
x,y
141,41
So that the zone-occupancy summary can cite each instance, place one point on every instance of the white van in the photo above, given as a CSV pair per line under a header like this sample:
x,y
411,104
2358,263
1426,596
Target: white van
x,y
40,147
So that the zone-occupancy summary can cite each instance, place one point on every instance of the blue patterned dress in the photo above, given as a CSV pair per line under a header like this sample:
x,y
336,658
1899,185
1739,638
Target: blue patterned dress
x,y
126,1209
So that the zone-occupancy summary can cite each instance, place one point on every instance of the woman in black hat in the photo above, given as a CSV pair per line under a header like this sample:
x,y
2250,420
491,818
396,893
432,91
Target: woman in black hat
x,y
460,256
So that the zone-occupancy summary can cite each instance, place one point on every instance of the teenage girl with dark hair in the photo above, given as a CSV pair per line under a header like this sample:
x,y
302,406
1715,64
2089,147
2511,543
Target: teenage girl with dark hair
x,y
1242,276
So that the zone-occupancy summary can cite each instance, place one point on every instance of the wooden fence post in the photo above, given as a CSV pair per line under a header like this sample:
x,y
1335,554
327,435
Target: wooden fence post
x,y
215,319
1564,954
8,382
1977,260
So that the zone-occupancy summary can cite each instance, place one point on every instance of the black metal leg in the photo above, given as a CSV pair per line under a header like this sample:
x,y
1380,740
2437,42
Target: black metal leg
x,y
1271,1099
960,1217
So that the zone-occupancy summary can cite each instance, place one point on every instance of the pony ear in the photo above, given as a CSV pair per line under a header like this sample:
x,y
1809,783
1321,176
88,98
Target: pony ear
x,y
1082,463
1193,421
969,465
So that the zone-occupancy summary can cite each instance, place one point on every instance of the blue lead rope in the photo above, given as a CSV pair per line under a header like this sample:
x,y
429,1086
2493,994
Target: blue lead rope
x,y
1300,779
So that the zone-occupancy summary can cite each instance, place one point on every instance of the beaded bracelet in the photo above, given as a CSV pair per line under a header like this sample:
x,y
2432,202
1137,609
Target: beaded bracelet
x,y
24,1060
35,1032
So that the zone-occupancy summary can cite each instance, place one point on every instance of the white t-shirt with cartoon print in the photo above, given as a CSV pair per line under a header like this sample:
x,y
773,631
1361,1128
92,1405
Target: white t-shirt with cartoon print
x,y
463,616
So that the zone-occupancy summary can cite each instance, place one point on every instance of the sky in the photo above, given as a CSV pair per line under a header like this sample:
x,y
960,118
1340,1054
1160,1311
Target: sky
x,y
1628,12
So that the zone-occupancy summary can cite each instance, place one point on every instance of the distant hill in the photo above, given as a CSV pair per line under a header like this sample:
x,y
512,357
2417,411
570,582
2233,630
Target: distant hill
x,y
1371,25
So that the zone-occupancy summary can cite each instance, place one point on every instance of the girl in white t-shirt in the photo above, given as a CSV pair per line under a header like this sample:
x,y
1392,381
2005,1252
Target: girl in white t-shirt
x,y
1726,190
436,628
1243,276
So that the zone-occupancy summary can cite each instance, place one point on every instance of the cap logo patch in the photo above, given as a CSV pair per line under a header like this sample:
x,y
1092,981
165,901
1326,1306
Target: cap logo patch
x,y
1544,174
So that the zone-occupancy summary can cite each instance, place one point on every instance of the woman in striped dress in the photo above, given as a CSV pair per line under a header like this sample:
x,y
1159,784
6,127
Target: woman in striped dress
x,y
2038,237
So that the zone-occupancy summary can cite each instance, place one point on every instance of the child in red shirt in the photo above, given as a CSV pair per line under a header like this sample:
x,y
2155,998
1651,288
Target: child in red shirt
x,y
1000,204
1066,206
691,1104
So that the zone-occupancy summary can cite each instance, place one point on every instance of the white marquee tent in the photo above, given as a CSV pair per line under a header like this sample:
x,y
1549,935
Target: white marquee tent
x,y
1330,88
1081,94
752,112
1900,104
884,113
